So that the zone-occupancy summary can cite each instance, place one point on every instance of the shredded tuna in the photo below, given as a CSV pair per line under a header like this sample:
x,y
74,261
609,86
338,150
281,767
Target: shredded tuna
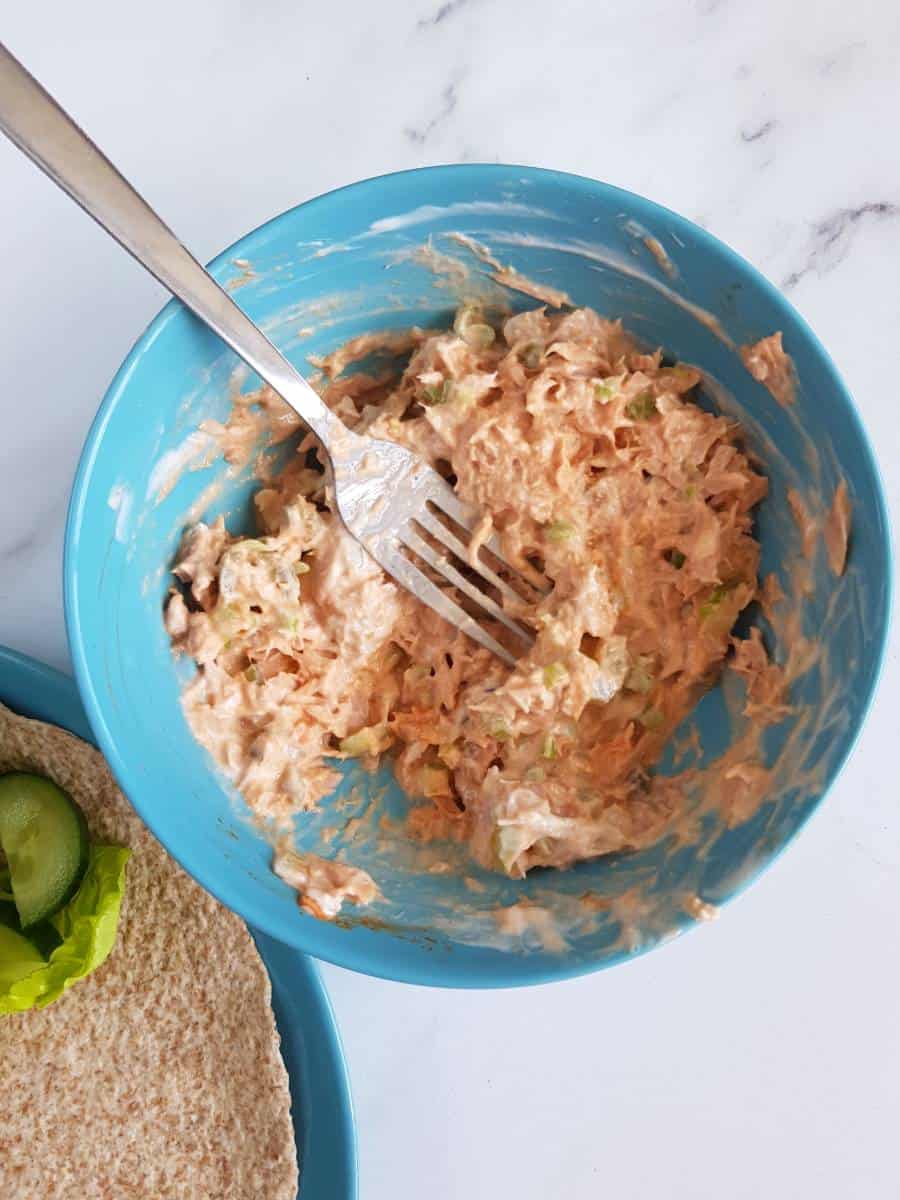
x,y
590,463
766,685
768,363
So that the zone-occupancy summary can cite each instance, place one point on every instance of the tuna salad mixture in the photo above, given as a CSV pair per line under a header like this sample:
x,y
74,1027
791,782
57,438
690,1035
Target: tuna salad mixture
x,y
593,464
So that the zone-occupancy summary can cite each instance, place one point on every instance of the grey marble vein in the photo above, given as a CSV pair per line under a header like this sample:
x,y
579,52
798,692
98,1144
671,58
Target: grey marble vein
x,y
418,136
832,237
761,131
20,545
835,63
441,14
32,539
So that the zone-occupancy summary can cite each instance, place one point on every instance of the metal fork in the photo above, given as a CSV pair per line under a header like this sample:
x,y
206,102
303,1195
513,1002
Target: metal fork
x,y
387,497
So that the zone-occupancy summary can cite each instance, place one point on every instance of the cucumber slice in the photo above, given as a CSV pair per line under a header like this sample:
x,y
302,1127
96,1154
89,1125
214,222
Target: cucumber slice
x,y
45,840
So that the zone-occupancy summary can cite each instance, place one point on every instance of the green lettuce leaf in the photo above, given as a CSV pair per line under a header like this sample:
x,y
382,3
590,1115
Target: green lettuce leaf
x,y
87,926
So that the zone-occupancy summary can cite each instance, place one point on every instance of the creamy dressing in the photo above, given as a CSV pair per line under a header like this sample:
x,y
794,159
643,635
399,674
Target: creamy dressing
x,y
509,277
197,451
245,275
535,926
836,531
654,245
121,501
322,884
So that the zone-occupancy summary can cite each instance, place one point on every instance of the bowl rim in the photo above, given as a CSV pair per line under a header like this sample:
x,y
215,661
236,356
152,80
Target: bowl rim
x,y
347,952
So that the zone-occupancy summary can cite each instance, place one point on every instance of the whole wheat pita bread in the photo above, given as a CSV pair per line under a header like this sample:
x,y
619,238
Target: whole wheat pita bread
x,y
159,1076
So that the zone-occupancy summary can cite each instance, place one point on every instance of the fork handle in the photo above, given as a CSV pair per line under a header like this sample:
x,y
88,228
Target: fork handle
x,y
33,120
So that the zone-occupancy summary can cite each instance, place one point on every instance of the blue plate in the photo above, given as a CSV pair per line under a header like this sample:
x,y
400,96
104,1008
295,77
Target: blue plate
x,y
310,1045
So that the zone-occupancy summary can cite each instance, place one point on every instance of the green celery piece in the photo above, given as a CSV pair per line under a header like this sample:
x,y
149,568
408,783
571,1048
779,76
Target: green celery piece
x,y
641,408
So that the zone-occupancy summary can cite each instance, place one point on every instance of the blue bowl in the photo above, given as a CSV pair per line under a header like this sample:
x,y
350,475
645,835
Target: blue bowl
x,y
341,265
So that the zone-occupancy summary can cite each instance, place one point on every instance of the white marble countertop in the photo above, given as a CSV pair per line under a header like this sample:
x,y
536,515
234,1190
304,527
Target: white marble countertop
x,y
761,1055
